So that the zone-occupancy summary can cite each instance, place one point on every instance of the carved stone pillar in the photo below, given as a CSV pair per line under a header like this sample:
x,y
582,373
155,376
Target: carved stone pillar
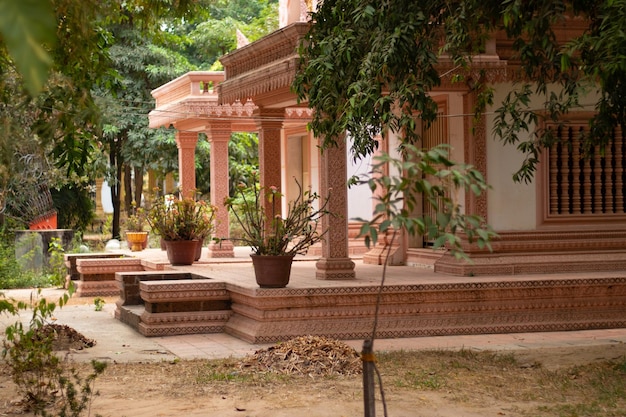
x,y
335,263
186,144
270,125
218,135
475,153
381,253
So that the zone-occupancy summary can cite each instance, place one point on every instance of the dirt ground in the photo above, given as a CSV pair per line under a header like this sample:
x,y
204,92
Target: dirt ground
x,y
572,381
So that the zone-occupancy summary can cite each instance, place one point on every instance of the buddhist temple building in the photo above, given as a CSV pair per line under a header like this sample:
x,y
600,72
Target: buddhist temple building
x,y
572,217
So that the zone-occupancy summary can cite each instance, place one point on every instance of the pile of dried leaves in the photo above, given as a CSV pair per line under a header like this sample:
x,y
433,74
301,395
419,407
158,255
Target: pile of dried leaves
x,y
307,355
64,337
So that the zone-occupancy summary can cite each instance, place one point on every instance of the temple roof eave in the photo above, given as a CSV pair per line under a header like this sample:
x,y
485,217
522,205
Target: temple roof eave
x,y
197,113
263,84
277,45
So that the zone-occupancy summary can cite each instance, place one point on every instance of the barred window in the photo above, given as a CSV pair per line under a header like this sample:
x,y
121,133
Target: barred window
x,y
578,186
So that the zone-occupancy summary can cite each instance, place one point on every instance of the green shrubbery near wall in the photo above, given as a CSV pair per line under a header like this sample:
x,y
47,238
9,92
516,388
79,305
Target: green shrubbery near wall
x,y
11,273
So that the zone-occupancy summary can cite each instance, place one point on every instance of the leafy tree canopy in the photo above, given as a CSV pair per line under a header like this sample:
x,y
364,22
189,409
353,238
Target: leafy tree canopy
x,y
217,35
76,76
369,66
245,11
59,54
26,27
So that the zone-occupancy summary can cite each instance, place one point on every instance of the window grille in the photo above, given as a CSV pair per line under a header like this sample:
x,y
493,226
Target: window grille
x,y
589,186
436,134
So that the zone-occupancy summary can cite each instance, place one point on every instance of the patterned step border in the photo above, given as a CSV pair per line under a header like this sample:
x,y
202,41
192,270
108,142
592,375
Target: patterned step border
x,y
172,303
267,316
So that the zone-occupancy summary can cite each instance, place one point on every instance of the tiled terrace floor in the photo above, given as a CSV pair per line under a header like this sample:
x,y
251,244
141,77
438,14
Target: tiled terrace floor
x,y
238,270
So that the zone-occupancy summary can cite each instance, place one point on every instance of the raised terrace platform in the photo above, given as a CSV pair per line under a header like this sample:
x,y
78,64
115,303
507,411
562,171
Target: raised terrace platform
x,y
222,296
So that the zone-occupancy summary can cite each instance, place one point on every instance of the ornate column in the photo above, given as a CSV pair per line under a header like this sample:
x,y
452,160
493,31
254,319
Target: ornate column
x,y
186,144
335,263
218,134
475,152
270,125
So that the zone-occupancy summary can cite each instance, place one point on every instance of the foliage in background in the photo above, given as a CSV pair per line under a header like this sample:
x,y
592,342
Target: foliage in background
x,y
94,83
431,176
256,210
211,38
141,66
75,206
369,66
243,160
56,263
11,273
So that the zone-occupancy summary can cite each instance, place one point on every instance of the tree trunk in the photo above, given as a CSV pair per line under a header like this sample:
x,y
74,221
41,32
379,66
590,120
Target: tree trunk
x,y
138,180
128,189
116,161
369,386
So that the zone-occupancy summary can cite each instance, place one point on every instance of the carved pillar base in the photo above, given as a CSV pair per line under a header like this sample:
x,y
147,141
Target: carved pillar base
x,y
334,269
378,254
222,249
381,252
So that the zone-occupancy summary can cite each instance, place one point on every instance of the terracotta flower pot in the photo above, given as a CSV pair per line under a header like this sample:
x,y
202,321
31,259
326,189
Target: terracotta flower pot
x,y
272,271
199,250
181,252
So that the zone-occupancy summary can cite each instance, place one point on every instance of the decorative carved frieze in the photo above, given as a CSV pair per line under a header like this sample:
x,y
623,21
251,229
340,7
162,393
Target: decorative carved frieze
x,y
469,307
278,45
266,81
183,290
195,108
491,71
107,265
107,288
304,113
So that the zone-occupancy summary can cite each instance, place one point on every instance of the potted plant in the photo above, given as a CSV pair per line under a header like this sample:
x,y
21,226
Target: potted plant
x,y
136,236
275,239
183,224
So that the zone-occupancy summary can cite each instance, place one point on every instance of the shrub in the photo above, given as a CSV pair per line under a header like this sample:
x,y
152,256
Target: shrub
x,y
57,269
11,273
46,383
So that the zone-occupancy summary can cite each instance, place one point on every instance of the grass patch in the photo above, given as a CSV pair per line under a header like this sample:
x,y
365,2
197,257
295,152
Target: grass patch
x,y
467,380
589,390
464,377
229,370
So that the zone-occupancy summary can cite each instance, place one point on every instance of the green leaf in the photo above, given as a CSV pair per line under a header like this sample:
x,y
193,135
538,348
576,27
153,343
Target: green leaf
x,y
565,62
374,235
26,26
439,242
